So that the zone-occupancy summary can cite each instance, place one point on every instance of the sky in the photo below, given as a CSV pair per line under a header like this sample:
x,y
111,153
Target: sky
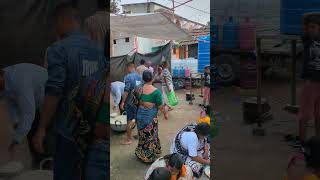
x,y
184,10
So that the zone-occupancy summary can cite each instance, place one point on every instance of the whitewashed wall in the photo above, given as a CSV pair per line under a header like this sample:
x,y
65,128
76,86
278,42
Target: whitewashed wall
x,y
121,47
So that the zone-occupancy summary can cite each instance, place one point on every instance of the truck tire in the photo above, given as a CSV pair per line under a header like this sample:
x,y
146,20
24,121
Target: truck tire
x,y
228,67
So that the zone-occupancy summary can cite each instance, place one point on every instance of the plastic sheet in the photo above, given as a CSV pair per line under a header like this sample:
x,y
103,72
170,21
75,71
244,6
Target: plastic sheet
x,y
118,65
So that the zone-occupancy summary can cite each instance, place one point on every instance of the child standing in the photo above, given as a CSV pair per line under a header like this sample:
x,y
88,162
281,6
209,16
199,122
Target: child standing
x,y
206,89
310,95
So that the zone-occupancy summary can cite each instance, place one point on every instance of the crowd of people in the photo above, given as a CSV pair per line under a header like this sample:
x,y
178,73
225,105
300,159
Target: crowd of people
x,y
54,106
143,96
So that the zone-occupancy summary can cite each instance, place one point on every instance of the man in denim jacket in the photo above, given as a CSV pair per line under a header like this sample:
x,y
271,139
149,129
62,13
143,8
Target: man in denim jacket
x,y
72,57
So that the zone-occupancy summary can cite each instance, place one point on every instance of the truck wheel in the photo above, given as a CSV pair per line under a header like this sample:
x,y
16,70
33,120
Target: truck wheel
x,y
228,68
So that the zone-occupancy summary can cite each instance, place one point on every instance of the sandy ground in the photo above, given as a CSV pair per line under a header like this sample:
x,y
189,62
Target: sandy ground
x,y
125,165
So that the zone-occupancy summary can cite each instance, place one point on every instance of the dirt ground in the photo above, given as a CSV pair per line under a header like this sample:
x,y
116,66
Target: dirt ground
x,y
236,153
239,154
125,165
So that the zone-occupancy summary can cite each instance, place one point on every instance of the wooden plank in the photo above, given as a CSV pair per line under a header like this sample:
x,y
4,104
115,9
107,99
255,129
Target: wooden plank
x,y
293,72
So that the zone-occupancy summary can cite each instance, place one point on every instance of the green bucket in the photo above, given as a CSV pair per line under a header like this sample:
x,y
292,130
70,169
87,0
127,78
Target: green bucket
x,y
172,99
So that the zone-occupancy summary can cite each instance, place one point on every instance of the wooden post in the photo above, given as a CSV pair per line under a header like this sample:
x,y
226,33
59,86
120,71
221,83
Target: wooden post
x,y
173,10
293,72
111,43
259,83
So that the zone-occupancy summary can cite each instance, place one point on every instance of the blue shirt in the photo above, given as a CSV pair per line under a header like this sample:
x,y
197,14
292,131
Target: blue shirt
x,y
70,59
131,81
24,92
117,89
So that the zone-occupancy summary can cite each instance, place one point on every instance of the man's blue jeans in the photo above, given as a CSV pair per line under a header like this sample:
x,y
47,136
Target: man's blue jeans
x,y
67,160
98,162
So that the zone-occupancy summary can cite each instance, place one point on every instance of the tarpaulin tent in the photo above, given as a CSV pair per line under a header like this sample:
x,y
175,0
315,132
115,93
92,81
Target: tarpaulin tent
x,y
148,25
163,54
26,30
119,63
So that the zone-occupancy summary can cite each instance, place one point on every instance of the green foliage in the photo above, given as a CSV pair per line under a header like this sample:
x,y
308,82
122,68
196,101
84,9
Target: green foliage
x,y
114,6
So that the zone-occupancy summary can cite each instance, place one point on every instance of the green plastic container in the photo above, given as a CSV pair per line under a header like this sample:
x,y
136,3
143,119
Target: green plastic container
x,y
172,99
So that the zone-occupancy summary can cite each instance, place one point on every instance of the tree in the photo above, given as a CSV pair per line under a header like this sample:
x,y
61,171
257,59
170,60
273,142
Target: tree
x,y
114,6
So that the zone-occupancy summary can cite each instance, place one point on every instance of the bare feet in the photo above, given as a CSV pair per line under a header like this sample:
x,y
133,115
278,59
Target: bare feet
x,y
166,116
132,124
136,137
127,142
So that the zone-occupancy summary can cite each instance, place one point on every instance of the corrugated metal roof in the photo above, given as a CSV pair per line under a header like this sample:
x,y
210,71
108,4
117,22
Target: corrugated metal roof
x,y
196,33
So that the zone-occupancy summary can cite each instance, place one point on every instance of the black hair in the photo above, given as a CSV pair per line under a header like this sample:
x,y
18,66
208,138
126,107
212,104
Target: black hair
x,y
312,19
147,76
174,160
130,64
165,63
203,129
312,153
142,61
68,9
161,173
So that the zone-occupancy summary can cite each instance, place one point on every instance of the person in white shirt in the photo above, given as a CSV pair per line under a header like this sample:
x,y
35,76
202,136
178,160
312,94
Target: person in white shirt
x,y
149,66
192,144
117,89
22,87
142,67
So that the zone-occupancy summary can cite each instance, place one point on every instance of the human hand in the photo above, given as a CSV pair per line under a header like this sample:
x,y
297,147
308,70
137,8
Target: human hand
x,y
114,108
122,106
206,147
155,120
38,139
